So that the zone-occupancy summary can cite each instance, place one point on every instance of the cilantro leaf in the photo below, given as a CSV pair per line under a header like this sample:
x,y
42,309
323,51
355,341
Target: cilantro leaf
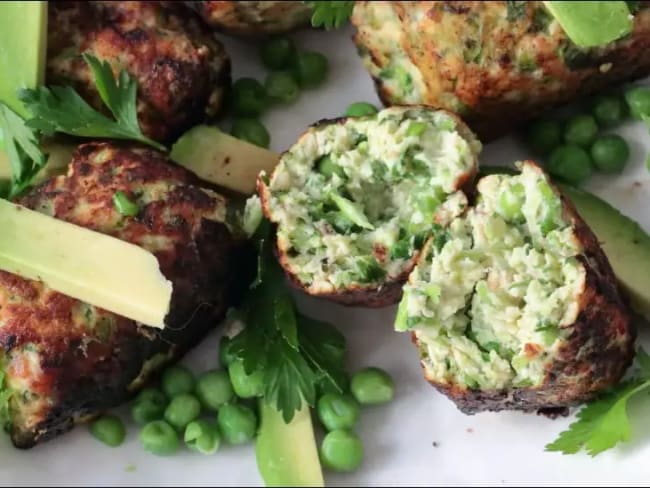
x,y
22,146
604,423
61,108
330,15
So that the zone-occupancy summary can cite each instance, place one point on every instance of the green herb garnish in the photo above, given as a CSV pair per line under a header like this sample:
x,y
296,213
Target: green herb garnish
x,y
61,108
603,423
330,15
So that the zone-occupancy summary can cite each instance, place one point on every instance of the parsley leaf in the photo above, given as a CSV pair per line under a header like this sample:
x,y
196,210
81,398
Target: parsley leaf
x,y
604,423
22,146
293,352
330,15
61,108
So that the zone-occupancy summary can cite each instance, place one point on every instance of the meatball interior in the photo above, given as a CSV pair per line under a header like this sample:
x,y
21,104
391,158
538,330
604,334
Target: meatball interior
x,y
495,293
354,200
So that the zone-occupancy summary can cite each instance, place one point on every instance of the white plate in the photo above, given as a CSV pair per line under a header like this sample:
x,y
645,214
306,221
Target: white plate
x,y
420,438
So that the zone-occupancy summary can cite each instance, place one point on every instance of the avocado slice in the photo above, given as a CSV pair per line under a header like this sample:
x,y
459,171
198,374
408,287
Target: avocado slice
x,y
222,159
625,243
286,453
23,40
592,24
84,264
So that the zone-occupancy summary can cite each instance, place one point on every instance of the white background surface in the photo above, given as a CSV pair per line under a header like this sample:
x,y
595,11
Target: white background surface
x,y
488,449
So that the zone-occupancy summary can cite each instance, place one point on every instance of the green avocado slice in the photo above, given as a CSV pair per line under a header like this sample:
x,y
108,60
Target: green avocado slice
x,y
592,24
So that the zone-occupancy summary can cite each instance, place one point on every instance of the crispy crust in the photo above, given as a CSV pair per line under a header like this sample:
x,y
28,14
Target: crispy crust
x,y
253,19
494,95
84,359
595,356
181,69
388,293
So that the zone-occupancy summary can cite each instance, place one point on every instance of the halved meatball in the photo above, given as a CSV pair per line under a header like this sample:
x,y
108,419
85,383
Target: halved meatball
x,y
355,199
513,305
494,63
181,69
253,18
63,360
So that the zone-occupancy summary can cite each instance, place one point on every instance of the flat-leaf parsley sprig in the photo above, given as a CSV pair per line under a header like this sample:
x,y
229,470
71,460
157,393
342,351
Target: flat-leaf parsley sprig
x,y
330,15
603,423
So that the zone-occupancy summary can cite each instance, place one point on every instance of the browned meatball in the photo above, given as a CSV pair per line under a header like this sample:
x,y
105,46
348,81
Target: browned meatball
x,y
181,69
495,63
253,18
64,360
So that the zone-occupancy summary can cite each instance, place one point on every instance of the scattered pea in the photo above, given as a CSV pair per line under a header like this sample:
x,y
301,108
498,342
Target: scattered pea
x,y
337,411
251,130
248,97
149,405
160,438
580,130
638,100
360,109
177,380
570,163
214,389
202,436
608,110
277,52
544,135
372,386
310,68
109,429
245,385
237,423
182,410
282,87
341,451
610,153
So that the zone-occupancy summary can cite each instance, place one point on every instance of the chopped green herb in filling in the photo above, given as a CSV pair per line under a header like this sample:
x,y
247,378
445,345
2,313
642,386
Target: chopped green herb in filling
x,y
492,302
354,202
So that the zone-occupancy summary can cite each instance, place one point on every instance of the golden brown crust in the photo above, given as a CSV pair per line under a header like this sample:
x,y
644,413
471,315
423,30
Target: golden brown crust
x,y
181,69
65,359
494,67
253,19
372,296
594,357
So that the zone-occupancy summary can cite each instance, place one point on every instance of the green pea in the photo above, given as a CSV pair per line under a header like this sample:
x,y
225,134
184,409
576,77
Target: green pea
x,y
277,52
341,451
248,97
182,410
202,436
251,130
149,405
282,87
310,68
570,163
544,135
608,110
176,380
360,109
214,389
580,130
160,438
337,411
638,100
329,168
511,200
109,429
245,385
610,153
416,129
226,353
372,386
237,423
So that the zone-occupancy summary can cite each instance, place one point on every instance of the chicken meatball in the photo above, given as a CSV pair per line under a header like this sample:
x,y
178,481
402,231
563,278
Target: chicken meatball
x,y
181,69
513,305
